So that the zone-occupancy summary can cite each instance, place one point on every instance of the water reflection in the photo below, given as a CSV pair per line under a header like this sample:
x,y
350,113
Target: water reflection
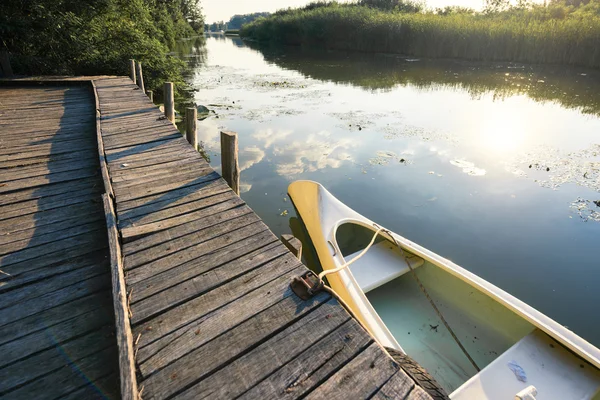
x,y
496,167
572,88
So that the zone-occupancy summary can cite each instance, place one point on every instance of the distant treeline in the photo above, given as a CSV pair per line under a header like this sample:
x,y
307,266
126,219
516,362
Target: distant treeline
x,y
90,37
559,32
235,22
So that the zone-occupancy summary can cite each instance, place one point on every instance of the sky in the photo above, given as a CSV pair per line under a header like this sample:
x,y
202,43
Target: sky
x,y
222,10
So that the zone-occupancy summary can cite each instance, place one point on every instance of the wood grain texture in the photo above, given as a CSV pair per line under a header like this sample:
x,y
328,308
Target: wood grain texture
x,y
56,317
212,313
129,389
230,167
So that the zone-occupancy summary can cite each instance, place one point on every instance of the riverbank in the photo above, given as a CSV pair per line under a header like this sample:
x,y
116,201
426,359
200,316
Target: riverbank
x,y
554,34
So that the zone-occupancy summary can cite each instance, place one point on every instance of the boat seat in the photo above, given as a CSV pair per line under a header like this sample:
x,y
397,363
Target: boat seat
x,y
540,361
382,263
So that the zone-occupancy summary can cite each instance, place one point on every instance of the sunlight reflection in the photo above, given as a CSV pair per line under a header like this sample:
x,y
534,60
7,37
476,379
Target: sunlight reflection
x,y
504,132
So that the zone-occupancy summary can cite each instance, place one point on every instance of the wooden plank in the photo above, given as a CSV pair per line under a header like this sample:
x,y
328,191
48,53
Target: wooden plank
x,y
56,316
266,358
42,363
142,179
31,252
88,259
47,190
45,169
34,239
176,193
56,282
184,229
68,378
43,231
129,390
224,350
52,216
52,178
399,386
314,365
36,205
121,172
51,336
145,264
363,376
59,256
138,217
100,146
103,388
175,329
53,299
152,227
247,274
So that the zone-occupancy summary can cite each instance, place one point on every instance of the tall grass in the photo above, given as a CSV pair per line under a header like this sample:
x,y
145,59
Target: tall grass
x,y
538,34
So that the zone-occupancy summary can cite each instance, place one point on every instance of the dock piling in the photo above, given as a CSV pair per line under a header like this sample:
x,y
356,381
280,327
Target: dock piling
x,y
191,118
132,70
150,95
169,101
293,244
230,169
140,76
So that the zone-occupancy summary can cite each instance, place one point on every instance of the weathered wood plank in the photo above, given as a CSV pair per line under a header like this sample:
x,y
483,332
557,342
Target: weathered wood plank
x,y
189,208
53,299
29,244
54,316
129,389
67,378
363,376
89,259
183,229
45,286
208,278
313,365
267,358
44,230
224,350
158,259
152,227
176,332
50,336
32,368
176,193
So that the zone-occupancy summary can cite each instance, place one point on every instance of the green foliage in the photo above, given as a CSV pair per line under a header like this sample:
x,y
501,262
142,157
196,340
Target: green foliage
x,y
559,33
97,36
237,21
393,5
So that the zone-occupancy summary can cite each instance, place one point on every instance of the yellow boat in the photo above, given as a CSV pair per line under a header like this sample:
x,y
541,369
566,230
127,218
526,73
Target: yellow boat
x,y
477,341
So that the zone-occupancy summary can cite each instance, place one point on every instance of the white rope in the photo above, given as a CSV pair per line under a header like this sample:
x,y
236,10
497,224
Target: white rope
x,y
346,265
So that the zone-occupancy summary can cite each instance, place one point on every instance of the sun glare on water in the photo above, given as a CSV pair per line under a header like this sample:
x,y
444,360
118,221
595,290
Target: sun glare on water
x,y
504,132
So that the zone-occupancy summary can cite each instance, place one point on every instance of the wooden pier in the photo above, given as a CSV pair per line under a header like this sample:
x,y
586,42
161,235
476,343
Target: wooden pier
x,y
207,305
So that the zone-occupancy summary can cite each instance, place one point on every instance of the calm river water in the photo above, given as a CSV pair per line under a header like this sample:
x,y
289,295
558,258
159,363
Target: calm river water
x,y
496,167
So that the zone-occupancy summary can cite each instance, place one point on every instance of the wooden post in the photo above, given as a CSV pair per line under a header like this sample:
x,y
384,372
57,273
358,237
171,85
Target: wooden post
x,y
5,64
169,101
150,95
293,244
230,169
132,70
191,116
140,76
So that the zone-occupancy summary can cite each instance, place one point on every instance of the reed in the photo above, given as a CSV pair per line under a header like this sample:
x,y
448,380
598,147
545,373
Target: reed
x,y
534,34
